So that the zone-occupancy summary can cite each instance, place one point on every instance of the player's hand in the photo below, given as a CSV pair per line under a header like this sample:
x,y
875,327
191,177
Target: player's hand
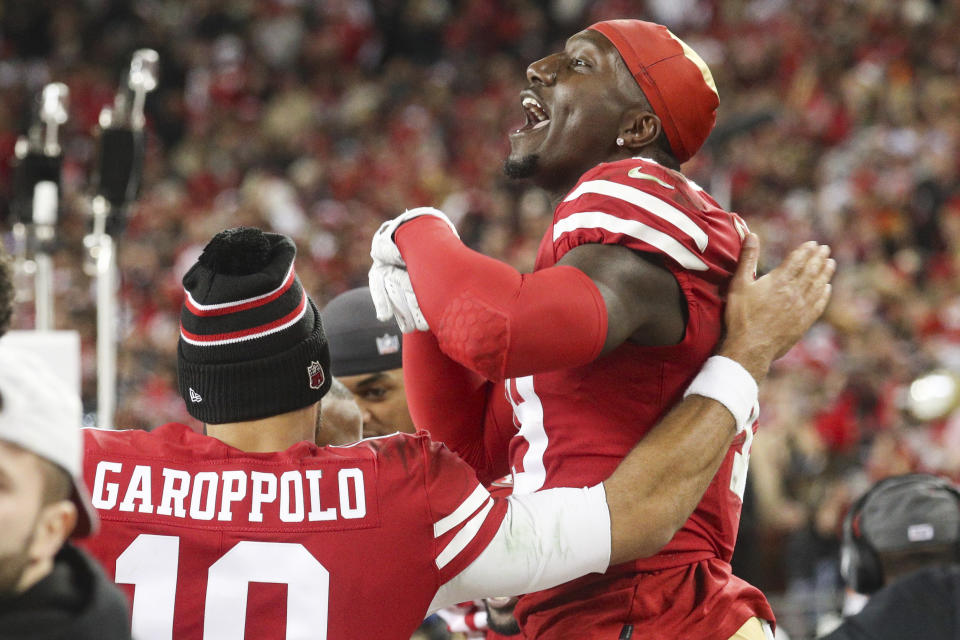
x,y
384,250
393,296
767,316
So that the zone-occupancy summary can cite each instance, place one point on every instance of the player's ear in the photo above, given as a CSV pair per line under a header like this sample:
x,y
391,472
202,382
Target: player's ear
x,y
639,128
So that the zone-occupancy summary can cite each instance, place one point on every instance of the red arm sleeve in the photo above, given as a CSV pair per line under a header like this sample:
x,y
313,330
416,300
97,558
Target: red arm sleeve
x,y
450,402
494,320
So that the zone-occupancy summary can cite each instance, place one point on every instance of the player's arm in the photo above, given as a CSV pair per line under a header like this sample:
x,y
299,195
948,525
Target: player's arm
x,y
663,478
501,323
641,296
555,535
450,402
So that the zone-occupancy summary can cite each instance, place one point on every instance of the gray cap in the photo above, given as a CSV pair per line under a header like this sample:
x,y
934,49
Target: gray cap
x,y
359,343
919,511
41,415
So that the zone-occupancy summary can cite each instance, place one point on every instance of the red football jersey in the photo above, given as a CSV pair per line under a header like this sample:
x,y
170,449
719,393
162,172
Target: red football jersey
x,y
335,542
576,425
470,618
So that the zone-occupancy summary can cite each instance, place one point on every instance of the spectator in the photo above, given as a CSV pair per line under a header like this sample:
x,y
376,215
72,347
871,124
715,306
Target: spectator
x,y
7,292
48,587
901,545
813,577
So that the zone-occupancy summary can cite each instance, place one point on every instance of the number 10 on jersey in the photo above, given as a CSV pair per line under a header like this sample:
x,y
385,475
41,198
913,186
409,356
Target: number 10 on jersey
x,y
150,563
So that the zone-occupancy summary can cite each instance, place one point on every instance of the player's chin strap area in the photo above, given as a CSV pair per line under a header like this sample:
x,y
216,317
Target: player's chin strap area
x,y
493,319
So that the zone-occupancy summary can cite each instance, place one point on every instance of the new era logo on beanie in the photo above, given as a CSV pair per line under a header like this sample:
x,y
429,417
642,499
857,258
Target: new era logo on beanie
x,y
251,341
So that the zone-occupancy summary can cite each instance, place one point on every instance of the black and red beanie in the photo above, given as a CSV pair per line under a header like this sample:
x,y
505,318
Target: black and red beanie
x,y
251,341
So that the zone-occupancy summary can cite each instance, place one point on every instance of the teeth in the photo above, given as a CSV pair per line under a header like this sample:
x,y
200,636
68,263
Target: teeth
x,y
535,109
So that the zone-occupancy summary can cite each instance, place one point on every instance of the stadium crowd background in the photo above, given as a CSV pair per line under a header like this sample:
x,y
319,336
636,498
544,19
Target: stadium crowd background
x,y
319,119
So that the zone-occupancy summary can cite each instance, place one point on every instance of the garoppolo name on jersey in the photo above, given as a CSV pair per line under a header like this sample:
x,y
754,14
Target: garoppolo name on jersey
x,y
310,495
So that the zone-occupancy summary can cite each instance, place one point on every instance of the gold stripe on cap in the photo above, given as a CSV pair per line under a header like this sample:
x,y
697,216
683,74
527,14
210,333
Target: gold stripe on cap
x,y
695,58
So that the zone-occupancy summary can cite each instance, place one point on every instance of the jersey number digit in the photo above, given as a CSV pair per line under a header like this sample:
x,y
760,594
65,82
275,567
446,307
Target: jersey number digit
x,y
528,413
150,564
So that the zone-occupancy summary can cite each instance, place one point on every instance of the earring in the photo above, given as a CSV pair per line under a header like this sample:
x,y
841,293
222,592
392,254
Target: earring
x,y
620,142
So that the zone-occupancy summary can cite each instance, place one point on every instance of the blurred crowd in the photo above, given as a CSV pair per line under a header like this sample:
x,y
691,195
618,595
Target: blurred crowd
x,y
321,118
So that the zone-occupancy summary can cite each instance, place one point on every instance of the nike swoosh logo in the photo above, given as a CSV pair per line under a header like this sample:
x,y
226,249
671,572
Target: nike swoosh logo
x,y
640,175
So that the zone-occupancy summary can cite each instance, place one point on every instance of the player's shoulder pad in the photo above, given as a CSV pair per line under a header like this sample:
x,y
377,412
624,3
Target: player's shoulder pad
x,y
432,449
164,440
640,204
395,444
100,438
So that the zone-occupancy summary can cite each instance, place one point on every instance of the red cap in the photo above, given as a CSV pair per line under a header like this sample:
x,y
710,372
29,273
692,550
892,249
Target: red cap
x,y
675,80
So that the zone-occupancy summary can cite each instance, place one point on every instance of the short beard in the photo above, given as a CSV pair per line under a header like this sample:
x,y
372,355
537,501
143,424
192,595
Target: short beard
x,y
13,564
12,567
525,167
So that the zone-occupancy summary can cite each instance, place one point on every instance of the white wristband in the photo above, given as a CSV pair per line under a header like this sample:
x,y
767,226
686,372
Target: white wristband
x,y
727,382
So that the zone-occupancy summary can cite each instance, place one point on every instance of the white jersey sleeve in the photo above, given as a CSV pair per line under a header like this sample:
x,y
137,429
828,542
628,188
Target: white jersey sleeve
x,y
546,538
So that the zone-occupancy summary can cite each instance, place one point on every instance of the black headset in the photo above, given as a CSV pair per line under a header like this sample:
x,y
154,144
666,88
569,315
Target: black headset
x,y
859,561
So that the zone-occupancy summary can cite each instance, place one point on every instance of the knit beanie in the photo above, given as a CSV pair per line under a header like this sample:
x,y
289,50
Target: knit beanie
x,y
251,341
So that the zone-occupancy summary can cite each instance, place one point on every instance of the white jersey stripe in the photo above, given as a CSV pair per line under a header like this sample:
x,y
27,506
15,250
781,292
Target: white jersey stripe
x,y
461,513
464,536
741,464
252,336
529,413
646,201
634,229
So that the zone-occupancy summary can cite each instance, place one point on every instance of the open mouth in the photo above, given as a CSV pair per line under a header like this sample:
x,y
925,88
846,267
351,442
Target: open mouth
x,y
537,116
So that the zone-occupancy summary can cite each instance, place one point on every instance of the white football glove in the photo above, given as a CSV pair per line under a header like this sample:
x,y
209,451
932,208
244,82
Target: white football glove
x,y
393,296
384,250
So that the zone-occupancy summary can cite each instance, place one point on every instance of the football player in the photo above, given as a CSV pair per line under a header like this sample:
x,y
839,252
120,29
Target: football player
x,y
555,375
251,530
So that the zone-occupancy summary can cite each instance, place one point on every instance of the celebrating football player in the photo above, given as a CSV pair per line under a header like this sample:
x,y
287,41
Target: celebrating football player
x,y
554,375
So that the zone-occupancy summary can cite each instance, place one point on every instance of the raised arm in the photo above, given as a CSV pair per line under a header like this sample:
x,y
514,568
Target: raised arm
x,y
555,535
501,323
450,402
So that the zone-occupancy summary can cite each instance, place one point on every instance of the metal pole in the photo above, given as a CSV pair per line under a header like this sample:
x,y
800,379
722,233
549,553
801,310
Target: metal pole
x,y
106,263
46,200
36,200
44,219
118,181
